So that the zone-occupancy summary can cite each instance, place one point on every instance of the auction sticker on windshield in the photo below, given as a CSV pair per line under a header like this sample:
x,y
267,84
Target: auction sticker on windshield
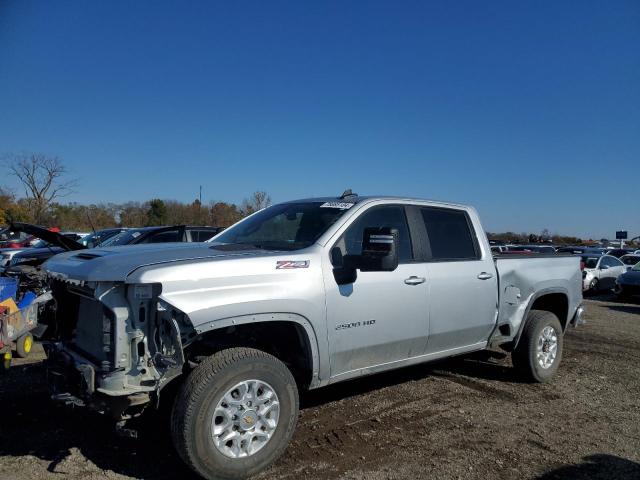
x,y
340,205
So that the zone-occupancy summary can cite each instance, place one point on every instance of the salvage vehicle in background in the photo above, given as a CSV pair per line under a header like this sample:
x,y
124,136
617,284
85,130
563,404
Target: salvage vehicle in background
x,y
24,266
599,272
618,252
110,237
50,244
577,250
16,239
531,248
98,238
299,295
630,260
628,284
176,233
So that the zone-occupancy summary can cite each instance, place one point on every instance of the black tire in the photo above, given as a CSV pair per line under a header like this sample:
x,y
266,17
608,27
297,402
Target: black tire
x,y
621,293
524,357
192,415
24,345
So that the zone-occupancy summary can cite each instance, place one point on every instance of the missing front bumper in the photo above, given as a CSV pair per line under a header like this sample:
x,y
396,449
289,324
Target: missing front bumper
x,y
73,383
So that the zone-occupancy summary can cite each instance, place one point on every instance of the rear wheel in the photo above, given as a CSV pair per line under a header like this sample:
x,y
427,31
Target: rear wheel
x,y
539,351
24,345
235,414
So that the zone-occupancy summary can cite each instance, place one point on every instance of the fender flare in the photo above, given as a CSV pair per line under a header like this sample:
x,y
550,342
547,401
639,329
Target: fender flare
x,y
532,300
312,338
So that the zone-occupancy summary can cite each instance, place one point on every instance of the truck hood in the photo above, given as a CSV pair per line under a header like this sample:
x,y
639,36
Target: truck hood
x,y
115,264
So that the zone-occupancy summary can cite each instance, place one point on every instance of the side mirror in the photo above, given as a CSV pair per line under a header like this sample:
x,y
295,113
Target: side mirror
x,y
344,267
379,249
604,267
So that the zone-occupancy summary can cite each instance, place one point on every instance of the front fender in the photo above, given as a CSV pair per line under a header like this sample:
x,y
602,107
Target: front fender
x,y
319,369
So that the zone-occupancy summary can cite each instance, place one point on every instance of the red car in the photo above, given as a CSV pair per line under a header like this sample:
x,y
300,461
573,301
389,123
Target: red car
x,y
10,239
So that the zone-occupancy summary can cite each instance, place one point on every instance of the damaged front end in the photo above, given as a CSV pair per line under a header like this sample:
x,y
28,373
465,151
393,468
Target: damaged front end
x,y
115,345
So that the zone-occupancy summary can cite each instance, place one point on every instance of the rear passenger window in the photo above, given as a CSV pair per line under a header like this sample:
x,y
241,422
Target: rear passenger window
x,y
450,234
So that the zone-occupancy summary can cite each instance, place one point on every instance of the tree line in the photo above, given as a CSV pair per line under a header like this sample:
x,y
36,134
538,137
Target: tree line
x,y
46,182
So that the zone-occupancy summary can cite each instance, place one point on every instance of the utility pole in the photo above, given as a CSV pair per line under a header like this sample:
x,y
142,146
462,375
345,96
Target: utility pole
x,y
200,196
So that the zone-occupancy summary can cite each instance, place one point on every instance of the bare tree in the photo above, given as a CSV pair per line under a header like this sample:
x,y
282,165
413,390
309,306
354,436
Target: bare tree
x,y
42,179
257,201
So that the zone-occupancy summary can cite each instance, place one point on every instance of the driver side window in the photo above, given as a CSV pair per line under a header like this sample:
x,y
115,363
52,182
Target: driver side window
x,y
385,216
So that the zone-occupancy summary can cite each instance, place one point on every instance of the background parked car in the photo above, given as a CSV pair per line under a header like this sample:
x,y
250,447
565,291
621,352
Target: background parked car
x,y
599,272
131,236
630,260
10,239
531,248
579,249
179,233
98,238
628,283
618,252
42,250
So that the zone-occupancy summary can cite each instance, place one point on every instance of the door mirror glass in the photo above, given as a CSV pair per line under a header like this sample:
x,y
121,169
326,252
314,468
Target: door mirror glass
x,y
379,249
604,267
344,267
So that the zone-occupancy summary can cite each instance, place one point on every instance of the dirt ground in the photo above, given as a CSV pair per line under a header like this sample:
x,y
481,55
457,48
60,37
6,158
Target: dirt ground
x,y
461,419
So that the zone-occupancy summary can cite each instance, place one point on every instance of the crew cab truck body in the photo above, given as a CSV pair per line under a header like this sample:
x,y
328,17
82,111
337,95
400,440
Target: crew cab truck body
x,y
299,295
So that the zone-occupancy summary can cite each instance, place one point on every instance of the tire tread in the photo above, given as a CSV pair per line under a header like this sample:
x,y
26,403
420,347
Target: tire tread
x,y
195,385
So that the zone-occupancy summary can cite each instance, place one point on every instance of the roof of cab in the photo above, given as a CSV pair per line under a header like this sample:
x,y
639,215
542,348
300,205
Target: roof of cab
x,y
356,199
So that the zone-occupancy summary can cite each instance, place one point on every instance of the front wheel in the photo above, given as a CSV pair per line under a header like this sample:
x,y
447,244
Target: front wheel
x,y
539,351
235,414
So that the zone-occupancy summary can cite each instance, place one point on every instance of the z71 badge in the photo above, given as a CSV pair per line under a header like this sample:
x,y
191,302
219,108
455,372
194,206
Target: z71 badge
x,y
288,264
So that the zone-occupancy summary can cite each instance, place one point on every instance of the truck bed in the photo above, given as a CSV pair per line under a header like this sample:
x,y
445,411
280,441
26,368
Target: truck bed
x,y
524,278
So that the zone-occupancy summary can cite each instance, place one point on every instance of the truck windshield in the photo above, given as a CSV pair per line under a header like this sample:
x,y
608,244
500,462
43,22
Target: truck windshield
x,y
287,226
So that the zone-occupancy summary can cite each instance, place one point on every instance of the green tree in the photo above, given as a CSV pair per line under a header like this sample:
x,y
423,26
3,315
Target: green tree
x,y
157,212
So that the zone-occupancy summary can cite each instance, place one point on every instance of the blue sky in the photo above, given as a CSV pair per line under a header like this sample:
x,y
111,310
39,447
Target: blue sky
x,y
528,110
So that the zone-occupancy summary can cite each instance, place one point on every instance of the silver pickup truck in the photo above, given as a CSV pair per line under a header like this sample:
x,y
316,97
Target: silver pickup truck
x,y
299,295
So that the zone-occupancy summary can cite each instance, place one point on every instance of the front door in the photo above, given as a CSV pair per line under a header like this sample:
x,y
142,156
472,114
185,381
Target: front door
x,y
383,316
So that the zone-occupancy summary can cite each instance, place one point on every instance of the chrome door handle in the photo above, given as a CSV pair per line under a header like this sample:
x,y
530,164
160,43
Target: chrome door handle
x,y
413,280
485,276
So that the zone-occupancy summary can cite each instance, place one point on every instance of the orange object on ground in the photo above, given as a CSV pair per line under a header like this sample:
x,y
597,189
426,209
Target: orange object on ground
x,y
10,304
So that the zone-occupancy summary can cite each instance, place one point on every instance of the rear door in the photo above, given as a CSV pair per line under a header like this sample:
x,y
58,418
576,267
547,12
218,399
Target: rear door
x,y
463,288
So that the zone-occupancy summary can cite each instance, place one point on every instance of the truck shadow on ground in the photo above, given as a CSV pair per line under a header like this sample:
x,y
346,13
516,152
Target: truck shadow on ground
x,y
596,467
480,365
34,426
